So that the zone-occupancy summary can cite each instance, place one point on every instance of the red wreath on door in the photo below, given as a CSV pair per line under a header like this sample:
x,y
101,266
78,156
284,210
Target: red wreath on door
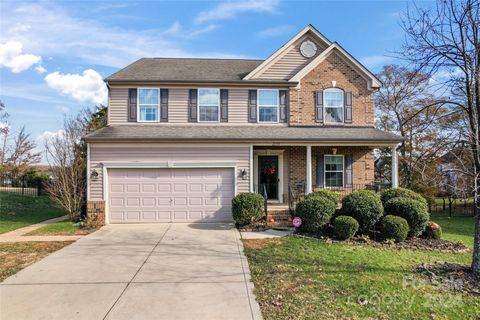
x,y
270,171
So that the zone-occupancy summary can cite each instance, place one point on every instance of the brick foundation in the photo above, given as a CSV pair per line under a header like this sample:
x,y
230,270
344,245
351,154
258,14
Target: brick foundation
x,y
96,212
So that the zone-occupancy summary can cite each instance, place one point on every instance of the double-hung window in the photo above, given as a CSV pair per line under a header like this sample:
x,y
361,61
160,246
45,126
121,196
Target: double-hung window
x,y
208,105
148,105
334,166
267,105
334,105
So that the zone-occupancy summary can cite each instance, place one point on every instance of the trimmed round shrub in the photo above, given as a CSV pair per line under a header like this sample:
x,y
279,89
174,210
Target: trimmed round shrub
x,y
315,212
247,207
365,206
345,227
411,210
394,227
432,231
402,193
331,195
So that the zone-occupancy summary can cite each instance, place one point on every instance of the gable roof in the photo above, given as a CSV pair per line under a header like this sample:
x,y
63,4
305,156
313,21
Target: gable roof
x,y
186,69
272,58
373,81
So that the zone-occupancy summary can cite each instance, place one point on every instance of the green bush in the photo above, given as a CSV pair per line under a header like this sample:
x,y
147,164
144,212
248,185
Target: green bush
x,y
394,227
331,195
402,193
432,231
315,212
345,227
365,206
247,207
411,210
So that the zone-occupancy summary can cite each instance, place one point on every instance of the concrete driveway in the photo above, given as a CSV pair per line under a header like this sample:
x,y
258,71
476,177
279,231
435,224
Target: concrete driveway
x,y
156,271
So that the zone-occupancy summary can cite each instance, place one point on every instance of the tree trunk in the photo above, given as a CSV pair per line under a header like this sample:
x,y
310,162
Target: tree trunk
x,y
476,246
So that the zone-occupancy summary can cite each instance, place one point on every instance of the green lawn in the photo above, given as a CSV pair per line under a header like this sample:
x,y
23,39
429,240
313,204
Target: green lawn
x,y
456,228
62,228
18,211
298,278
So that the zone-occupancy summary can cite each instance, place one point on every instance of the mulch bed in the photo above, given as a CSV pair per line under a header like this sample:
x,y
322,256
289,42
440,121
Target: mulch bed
x,y
454,276
413,243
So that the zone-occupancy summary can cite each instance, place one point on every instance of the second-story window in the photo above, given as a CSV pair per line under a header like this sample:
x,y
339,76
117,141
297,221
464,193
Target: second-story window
x,y
267,105
208,105
148,105
333,102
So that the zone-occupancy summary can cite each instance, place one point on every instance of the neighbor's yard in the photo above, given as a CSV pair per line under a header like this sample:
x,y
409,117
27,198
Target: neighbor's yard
x,y
18,211
296,278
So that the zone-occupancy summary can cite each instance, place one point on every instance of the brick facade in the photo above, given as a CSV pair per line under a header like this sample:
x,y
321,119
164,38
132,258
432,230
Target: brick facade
x,y
295,164
333,68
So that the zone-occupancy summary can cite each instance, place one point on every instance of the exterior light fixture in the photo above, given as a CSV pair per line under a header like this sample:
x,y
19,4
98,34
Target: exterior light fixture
x,y
243,174
94,174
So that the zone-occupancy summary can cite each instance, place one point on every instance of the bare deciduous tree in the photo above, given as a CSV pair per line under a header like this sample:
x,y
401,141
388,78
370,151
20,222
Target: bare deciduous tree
x,y
67,165
445,41
17,150
67,157
407,106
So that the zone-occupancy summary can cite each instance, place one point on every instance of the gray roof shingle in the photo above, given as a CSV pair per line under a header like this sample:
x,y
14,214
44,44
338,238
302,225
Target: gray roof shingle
x,y
185,70
158,132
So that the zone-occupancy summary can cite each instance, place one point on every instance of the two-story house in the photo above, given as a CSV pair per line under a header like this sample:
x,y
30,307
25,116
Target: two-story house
x,y
184,136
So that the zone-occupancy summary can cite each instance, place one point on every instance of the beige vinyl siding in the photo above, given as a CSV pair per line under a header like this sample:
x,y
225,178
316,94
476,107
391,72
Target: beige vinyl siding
x,y
291,62
161,153
118,105
178,106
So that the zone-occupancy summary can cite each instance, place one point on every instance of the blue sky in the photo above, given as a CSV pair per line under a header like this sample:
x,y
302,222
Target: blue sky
x,y
54,54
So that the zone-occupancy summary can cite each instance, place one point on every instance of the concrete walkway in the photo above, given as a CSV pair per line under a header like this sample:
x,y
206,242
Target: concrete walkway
x,y
267,234
18,235
156,271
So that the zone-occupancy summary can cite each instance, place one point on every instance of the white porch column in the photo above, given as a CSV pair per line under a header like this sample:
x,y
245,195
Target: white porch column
x,y
308,187
394,166
250,169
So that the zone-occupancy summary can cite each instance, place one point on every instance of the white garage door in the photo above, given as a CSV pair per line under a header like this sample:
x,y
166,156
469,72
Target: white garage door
x,y
170,195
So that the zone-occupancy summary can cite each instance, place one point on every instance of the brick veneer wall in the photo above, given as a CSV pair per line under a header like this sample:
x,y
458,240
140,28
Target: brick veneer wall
x,y
333,68
363,163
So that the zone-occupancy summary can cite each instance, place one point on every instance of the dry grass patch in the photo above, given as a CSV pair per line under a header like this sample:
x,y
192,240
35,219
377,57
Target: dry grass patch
x,y
14,256
257,244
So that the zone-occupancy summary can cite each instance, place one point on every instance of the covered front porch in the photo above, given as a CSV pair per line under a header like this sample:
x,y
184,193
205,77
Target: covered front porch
x,y
284,174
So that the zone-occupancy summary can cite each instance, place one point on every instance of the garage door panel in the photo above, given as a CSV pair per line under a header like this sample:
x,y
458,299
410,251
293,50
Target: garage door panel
x,y
161,195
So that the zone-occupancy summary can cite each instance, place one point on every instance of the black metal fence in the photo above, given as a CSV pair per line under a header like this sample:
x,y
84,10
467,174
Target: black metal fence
x,y
21,185
453,207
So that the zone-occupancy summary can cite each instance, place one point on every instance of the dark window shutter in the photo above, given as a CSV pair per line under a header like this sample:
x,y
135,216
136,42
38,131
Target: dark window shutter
x,y
192,105
132,105
348,179
164,105
348,107
283,98
252,105
320,171
319,106
223,105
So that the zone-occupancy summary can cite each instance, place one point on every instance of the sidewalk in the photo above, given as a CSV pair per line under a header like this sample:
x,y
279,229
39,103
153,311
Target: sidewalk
x,y
18,234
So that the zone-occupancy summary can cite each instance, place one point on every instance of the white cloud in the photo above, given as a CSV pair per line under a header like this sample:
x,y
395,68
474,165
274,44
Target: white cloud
x,y
49,30
275,31
40,69
229,10
88,86
11,57
46,136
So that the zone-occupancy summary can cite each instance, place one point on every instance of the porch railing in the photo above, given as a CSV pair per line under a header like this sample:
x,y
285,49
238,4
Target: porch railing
x,y
297,193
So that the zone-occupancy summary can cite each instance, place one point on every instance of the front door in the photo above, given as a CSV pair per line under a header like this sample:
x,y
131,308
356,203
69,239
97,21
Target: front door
x,y
268,175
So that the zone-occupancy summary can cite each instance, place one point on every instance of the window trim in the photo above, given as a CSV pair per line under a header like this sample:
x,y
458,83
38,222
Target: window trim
x,y
198,105
278,105
158,105
325,104
325,170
